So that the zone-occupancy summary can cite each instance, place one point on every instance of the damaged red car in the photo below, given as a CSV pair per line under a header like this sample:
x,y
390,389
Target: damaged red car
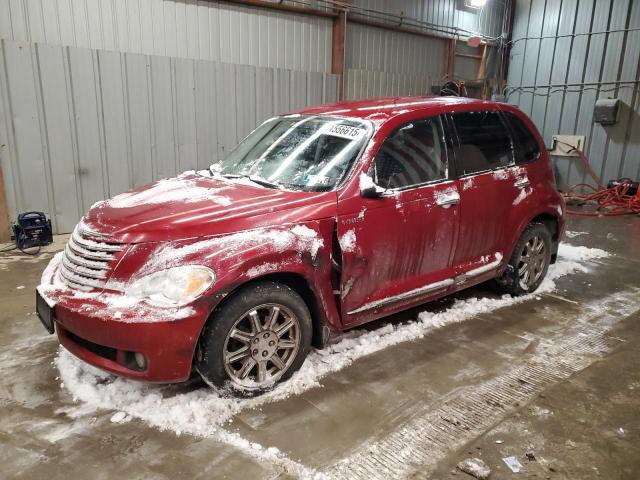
x,y
317,222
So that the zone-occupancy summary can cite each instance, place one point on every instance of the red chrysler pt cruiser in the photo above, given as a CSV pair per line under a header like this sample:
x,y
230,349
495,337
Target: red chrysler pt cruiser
x,y
318,221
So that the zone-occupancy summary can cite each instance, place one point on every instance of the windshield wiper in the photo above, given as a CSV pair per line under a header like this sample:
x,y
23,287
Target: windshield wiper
x,y
258,180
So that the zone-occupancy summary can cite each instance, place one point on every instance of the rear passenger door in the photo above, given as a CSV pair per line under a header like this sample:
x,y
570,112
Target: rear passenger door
x,y
489,184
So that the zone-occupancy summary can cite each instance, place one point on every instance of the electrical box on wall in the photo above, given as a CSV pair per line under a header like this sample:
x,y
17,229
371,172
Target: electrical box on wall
x,y
563,145
606,111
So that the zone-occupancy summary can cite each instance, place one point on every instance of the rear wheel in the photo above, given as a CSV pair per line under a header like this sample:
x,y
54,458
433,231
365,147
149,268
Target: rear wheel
x,y
529,263
259,337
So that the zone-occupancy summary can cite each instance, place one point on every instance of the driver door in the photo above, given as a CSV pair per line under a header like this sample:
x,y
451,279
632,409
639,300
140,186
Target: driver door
x,y
397,248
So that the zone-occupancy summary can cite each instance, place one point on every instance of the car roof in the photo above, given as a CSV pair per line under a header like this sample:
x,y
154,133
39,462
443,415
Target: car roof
x,y
380,110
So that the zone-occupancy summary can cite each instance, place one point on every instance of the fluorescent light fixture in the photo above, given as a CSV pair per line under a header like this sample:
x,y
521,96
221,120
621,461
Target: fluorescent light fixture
x,y
475,3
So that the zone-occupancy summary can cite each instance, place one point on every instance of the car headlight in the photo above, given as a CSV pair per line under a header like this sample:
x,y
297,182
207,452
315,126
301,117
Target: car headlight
x,y
174,286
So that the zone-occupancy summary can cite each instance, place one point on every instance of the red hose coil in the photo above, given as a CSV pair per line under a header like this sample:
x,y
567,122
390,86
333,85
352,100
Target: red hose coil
x,y
608,201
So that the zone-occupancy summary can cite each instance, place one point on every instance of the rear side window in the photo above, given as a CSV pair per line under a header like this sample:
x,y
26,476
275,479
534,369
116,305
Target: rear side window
x,y
412,155
525,144
484,142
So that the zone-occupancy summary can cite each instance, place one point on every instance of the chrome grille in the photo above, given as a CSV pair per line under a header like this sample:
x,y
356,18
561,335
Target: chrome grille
x,y
86,263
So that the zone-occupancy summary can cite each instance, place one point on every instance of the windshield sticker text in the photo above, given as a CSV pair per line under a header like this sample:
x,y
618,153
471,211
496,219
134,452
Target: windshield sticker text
x,y
345,131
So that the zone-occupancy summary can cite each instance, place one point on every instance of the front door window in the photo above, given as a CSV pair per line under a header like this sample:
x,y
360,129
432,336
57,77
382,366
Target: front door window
x,y
413,154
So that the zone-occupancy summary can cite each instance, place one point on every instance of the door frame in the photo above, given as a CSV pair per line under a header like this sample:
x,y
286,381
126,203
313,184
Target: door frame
x,y
404,299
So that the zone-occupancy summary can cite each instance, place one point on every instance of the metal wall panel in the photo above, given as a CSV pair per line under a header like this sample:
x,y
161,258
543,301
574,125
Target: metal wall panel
x,y
80,125
381,62
487,21
590,50
206,30
368,84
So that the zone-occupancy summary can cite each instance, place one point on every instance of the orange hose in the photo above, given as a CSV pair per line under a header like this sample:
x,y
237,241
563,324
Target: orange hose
x,y
609,201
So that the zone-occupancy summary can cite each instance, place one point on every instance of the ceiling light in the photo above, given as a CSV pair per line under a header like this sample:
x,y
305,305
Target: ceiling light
x,y
475,3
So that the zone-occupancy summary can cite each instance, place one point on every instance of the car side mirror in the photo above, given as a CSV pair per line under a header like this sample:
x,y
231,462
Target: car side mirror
x,y
371,191
368,189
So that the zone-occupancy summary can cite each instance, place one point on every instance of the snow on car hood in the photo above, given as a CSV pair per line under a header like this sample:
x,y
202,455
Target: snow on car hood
x,y
193,205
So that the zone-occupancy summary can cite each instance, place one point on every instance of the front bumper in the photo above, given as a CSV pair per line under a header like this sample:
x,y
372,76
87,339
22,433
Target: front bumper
x,y
109,343
106,330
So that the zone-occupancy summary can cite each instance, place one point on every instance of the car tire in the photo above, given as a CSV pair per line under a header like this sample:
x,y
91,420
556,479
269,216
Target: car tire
x,y
259,337
529,262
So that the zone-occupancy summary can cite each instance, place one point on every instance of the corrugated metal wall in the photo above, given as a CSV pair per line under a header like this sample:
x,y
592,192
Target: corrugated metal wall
x,y
205,30
79,125
379,62
382,62
487,20
558,78
97,96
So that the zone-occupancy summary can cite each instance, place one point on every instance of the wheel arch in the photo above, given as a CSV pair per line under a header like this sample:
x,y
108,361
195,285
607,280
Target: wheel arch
x,y
552,223
299,284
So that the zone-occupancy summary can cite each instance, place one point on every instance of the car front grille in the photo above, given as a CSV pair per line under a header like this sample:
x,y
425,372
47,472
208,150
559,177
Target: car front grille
x,y
86,263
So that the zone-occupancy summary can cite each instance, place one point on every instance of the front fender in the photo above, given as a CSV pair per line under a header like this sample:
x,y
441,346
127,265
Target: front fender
x,y
300,249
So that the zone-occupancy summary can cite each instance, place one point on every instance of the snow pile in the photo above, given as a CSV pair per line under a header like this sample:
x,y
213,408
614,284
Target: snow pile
x,y
204,411
120,417
577,253
200,412
348,241
475,467
178,189
307,239
570,234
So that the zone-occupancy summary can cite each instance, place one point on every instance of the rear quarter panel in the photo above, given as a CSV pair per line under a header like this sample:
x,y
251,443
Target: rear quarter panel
x,y
541,197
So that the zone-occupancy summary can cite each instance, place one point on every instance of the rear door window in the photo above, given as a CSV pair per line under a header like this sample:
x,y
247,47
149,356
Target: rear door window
x,y
525,144
483,142
412,155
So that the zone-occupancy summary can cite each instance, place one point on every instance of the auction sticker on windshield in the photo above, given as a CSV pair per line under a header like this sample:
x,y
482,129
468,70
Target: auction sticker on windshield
x,y
346,131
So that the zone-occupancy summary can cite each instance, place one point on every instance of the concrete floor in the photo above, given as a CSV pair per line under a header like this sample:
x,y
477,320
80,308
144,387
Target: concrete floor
x,y
558,376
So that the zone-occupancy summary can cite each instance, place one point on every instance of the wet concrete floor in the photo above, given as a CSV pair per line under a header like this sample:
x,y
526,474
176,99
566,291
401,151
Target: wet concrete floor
x,y
557,376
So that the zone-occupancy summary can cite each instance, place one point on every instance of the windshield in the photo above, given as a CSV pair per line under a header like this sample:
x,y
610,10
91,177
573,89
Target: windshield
x,y
306,153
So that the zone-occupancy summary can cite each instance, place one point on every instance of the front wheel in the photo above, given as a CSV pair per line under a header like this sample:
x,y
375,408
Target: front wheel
x,y
259,337
529,263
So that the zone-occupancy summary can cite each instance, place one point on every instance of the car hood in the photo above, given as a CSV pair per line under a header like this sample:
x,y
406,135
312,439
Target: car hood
x,y
193,205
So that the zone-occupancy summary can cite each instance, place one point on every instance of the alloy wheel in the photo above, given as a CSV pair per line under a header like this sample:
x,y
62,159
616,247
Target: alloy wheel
x,y
261,346
532,262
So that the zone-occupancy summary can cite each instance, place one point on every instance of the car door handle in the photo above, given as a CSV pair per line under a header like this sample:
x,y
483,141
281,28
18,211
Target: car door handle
x,y
447,200
523,182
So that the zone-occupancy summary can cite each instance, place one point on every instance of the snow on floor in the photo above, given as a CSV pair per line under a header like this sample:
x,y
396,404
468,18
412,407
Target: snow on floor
x,y
571,234
203,412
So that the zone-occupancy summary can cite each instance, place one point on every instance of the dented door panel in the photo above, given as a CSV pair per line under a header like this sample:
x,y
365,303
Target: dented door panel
x,y
394,248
